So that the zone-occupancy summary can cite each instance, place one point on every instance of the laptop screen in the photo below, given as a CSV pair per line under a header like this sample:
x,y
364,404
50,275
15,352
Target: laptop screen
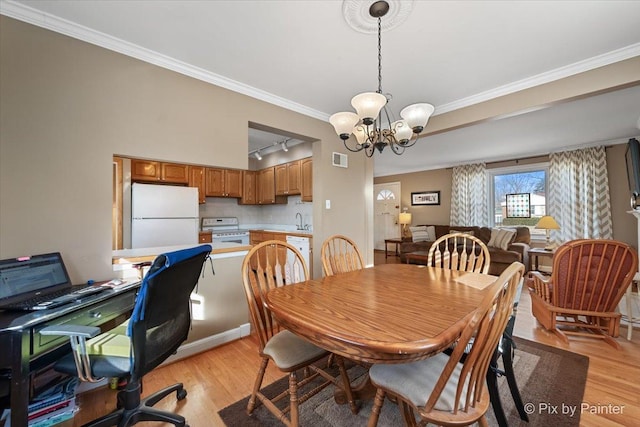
x,y
31,276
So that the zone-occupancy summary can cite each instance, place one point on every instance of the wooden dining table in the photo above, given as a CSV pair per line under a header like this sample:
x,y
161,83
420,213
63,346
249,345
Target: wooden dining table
x,y
390,313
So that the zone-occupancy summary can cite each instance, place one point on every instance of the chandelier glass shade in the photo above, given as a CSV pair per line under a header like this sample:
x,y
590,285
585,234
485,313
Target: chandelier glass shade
x,y
371,125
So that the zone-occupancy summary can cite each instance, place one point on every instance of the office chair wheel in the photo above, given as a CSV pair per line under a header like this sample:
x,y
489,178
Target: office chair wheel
x,y
181,394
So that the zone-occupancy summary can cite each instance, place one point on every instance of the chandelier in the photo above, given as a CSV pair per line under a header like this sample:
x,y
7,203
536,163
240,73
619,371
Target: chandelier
x,y
372,126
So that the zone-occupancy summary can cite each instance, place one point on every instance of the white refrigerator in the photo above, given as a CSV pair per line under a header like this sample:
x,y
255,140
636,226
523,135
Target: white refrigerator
x,y
163,215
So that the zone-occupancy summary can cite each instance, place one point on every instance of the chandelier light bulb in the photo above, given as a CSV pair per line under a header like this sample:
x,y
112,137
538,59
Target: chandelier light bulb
x,y
344,123
402,131
368,105
417,116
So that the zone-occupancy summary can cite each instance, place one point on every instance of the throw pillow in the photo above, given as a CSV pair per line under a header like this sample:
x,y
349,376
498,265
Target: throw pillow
x,y
501,238
419,234
431,229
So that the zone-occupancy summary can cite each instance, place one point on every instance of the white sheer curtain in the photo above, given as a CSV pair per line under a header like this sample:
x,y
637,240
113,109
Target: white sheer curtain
x,y
579,195
469,196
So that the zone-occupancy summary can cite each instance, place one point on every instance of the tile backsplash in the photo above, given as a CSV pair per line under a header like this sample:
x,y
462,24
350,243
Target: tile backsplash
x,y
281,215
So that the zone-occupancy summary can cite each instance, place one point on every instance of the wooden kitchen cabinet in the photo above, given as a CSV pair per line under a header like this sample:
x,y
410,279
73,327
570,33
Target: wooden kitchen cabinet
x,y
153,171
266,184
204,237
196,179
306,171
288,179
223,182
249,188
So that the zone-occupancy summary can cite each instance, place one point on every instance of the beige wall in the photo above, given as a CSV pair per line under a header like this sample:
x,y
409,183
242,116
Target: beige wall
x,y
433,180
66,107
624,224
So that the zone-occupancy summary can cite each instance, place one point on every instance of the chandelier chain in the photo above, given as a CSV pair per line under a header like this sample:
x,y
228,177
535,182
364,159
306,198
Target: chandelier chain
x,y
379,55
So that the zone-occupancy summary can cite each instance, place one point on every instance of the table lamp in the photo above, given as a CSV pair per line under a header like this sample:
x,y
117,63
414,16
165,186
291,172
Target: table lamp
x,y
404,219
548,223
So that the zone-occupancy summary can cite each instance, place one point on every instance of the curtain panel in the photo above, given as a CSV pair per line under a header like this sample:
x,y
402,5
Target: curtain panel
x,y
469,196
579,195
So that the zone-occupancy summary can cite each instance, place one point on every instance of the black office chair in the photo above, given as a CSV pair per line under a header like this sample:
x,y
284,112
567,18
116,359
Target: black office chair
x,y
159,323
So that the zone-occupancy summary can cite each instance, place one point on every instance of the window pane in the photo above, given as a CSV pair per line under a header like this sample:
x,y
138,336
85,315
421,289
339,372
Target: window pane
x,y
517,185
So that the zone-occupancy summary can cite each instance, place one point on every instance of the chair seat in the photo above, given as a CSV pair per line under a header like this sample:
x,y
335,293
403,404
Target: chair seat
x,y
415,381
288,351
101,366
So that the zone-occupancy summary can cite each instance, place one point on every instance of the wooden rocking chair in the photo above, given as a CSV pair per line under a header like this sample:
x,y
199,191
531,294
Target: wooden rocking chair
x,y
588,280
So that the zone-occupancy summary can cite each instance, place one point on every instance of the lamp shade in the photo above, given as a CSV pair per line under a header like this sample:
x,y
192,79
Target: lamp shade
x,y
404,218
547,223
344,122
368,104
417,115
402,130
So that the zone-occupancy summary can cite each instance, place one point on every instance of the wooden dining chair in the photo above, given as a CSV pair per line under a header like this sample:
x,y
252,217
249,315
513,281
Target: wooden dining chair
x,y
340,254
266,266
588,279
441,389
459,251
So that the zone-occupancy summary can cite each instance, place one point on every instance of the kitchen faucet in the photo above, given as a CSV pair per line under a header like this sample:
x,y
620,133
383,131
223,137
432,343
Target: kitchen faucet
x,y
299,227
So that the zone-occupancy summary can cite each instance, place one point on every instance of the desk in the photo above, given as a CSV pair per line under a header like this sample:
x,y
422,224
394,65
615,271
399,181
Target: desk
x,y
25,351
536,253
384,314
397,241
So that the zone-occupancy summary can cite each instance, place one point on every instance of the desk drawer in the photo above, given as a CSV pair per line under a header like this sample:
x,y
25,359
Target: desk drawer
x,y
90,316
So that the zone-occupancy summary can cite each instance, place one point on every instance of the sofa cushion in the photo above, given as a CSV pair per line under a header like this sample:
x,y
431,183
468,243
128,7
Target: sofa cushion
x,y
469,232
501,238
423,233
419,234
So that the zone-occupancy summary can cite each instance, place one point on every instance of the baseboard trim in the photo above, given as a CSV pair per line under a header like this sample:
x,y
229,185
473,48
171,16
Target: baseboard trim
x,y
208,343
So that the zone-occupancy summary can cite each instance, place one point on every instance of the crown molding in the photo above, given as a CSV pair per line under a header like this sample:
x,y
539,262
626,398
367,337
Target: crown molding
x,y
32,16
547,77
45,20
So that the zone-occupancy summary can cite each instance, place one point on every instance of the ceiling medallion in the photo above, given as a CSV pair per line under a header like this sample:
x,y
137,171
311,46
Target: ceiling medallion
x,y
356,13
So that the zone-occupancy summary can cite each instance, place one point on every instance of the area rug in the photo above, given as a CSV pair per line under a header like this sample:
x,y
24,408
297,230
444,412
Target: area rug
x,y
551,382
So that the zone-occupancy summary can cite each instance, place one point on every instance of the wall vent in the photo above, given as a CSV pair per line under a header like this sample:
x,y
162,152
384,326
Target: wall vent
x,y
340,160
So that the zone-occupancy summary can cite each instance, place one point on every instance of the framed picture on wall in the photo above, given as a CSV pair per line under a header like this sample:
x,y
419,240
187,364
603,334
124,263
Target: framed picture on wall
x,y
518,205
421,198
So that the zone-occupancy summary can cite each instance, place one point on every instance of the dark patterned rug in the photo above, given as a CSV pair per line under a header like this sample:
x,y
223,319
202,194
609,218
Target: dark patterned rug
x,y
551,383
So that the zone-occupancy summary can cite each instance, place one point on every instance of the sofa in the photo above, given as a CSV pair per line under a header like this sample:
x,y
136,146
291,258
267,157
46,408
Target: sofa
x,y
518,249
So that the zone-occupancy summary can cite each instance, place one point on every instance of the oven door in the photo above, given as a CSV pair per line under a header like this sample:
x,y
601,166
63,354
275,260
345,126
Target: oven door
x,y
240,239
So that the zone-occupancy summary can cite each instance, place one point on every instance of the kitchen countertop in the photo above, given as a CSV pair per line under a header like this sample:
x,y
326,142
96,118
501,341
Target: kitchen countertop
x,y
300,233
140,255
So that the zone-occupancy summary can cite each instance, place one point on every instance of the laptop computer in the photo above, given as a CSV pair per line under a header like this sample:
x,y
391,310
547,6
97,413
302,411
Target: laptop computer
x,y
38,282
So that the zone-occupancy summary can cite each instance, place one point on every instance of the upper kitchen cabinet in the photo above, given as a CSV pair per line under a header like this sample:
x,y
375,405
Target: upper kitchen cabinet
x,y
197,179
306,167
153,171
266,184
249,188
288,179
223,183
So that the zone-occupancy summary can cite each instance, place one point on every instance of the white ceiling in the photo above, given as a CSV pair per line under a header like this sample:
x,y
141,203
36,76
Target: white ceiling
x,y
302,55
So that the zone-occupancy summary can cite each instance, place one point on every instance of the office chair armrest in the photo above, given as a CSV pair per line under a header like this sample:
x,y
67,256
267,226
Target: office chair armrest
x,y
69,330
78,336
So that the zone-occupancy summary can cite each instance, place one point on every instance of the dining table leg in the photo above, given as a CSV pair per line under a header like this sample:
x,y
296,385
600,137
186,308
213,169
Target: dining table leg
x,y
364,390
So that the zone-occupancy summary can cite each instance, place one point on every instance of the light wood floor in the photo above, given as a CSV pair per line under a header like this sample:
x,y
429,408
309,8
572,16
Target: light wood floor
x,y
221,376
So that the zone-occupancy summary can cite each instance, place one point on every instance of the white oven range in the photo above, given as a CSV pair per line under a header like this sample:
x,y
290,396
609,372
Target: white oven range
x,y
225,229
